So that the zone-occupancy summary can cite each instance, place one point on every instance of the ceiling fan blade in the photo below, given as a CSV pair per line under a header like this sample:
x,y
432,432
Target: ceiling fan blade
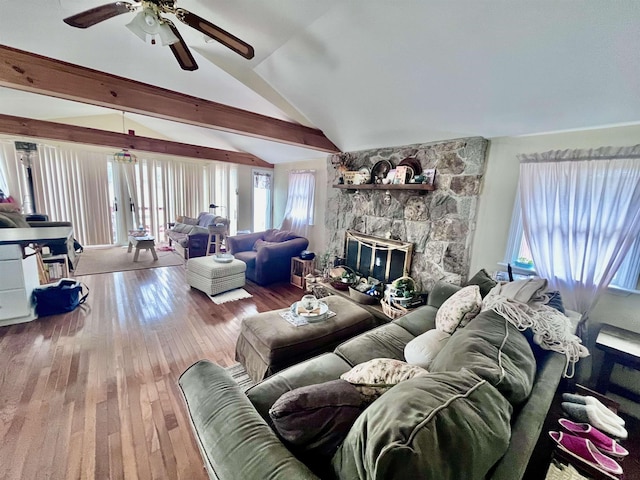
x,y
180,50
215,32
98,14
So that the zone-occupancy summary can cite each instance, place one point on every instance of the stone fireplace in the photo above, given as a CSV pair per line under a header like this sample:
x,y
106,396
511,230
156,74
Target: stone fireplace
x,y
439,223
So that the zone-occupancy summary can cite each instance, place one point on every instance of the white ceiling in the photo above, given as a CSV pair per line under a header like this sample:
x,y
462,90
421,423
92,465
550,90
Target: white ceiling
x,y
368,73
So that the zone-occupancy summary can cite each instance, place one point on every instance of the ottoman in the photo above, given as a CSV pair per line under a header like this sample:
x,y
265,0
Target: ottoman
x,y
268,343
214,277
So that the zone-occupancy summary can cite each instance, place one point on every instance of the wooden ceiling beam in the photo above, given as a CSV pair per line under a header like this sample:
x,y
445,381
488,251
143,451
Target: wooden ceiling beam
x,y
28,127
38,74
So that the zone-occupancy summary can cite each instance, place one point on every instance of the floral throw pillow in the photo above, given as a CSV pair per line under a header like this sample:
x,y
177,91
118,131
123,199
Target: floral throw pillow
x,y
376,376
458,309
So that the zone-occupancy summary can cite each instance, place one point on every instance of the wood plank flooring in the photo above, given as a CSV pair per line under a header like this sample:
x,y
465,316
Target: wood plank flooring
x,y
93,393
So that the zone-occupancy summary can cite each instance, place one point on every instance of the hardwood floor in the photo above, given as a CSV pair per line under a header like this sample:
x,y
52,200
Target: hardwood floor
x,y
93,393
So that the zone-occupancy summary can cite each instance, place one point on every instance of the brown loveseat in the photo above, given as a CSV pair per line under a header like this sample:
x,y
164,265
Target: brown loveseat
x,y
267,254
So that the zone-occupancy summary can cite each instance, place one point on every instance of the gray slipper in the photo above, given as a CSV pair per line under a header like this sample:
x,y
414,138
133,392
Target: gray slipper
x,y
604,411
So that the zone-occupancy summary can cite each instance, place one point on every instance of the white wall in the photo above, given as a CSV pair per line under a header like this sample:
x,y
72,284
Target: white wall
x,y
317,240
496,205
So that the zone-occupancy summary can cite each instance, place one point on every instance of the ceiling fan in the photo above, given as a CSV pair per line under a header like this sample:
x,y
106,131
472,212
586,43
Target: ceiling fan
x,y
149,23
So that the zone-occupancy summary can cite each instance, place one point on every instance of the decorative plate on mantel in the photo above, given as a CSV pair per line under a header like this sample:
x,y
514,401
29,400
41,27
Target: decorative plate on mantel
x,y
412,162
380,171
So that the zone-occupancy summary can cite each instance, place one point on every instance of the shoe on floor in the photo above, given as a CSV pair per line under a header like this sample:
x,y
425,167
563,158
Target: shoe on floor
x,y
603,443
590,400
590,414
586,451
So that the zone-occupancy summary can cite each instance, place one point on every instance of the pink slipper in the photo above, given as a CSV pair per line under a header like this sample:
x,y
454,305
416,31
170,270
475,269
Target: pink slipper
x,y
585,450
600,440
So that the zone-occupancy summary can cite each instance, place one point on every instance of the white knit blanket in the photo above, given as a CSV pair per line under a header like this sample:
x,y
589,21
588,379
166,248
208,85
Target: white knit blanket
x,y
521,303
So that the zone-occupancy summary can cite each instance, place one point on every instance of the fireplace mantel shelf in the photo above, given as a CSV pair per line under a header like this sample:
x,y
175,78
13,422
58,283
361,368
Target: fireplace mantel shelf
x,y
380,186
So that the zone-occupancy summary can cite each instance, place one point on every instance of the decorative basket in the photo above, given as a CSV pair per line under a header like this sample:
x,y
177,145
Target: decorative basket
x,y
362,298
338,284
392,311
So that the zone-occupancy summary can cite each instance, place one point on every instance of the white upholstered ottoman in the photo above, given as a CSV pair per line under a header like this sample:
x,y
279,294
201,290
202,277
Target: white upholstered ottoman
x,y
212,277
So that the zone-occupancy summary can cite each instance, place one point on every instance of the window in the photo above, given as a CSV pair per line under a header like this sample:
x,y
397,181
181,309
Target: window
x,y
519,256
298,215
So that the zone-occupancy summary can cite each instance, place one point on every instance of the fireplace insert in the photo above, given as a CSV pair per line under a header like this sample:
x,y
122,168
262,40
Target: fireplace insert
x,y
376,257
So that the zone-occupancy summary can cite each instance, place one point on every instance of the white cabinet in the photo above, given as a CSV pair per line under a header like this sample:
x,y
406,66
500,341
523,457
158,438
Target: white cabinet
x,y
18,278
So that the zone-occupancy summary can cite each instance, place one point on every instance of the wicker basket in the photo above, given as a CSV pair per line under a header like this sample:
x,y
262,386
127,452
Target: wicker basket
x,y
338,284
392,311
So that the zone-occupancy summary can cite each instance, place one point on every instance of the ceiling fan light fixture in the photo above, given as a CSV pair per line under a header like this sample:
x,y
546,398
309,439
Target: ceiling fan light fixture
x,y
147,26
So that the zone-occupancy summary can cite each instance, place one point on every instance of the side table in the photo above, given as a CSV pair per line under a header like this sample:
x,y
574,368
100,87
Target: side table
x,y
299,270
619,346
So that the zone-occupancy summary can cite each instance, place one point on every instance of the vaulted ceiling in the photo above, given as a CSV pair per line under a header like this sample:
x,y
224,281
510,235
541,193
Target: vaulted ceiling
x,y
367,73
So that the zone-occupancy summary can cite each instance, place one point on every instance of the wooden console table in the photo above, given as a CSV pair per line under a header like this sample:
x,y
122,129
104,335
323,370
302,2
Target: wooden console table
x,y
375,310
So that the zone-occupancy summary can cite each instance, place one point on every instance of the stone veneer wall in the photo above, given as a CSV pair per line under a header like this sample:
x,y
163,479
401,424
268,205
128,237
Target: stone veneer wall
x,y
440,223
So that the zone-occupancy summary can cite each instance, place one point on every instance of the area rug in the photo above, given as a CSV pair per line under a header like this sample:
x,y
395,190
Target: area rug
x,y
241,376
116,259
231,296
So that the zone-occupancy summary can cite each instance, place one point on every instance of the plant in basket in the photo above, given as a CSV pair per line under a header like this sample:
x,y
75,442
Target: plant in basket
x,y
343,277
402,291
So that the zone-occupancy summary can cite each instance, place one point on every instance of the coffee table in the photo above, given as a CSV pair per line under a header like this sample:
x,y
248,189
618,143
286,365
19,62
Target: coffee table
x,y
142,243
268,343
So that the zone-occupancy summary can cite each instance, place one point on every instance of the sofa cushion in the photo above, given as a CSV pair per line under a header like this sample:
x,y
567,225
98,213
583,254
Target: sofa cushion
x,y
182,228
248,257
375,377
407,430
458,309
495,350
555,301
15,219
315,419
423,349
484,281
275,235
440,292
6,222
387,341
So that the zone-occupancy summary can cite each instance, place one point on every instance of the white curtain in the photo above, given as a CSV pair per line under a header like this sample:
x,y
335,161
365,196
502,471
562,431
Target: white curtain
x,y
581,215
72,186
127,171
298,215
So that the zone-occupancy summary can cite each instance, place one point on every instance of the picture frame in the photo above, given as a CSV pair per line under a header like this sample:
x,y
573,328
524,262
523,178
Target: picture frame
x,y
391,174
400,177
429,176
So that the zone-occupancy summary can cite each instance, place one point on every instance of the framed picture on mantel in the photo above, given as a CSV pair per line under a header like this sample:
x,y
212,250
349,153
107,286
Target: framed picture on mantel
x,y
401,175
429,176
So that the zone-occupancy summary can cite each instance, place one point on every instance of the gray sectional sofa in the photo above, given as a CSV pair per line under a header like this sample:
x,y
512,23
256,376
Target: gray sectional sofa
x,y
477,415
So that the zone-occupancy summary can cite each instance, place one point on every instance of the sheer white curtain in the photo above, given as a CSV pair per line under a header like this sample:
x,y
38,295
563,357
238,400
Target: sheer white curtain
x,y
72,186
15,183
128,172
298,215
581,215
223,191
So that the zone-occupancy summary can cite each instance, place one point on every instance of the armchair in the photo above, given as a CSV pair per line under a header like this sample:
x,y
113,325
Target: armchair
x,y
267,254
193,237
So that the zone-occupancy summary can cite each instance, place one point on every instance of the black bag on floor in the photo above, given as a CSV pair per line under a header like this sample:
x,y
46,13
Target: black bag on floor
x,y
60,297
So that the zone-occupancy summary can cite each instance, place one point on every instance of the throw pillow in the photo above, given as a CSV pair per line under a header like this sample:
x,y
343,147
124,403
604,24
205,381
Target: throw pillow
x,y
9,207
261,243
275,235
316,418
423,349
458,309
376,376
484,281
555,301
